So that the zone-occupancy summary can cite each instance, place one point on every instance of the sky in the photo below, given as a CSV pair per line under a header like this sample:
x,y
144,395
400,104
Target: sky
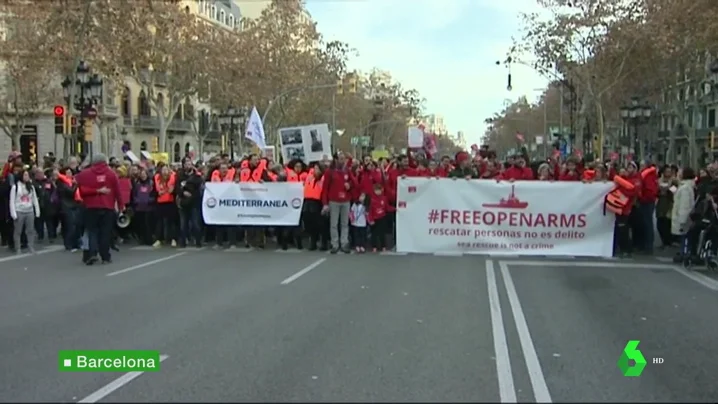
x,y
445,49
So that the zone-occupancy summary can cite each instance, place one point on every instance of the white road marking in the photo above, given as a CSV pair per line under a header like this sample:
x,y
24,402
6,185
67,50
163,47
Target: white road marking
x,y
393,253
507,392
448,254
238,250
704,280
303,271
289,251
144,248
538,382
114,385
46,250
146,264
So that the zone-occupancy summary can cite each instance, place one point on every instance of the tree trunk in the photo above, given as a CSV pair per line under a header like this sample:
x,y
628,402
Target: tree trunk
x,y
163,133
600,128
200,148
15,139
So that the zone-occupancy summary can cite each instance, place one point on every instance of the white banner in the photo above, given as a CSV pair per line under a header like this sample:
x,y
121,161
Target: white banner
x,y
502,218
253,204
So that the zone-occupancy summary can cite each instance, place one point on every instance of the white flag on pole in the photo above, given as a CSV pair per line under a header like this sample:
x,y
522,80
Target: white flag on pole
x,y
255,130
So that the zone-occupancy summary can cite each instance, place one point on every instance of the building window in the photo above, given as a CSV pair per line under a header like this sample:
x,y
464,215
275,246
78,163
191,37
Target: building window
x,y
221,16
176,153
711,118
689,115
143,106
187,149
143,146
231,21
213,12
125,102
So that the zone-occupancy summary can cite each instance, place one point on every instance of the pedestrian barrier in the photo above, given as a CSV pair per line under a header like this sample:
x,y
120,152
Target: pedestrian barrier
x,y
503,218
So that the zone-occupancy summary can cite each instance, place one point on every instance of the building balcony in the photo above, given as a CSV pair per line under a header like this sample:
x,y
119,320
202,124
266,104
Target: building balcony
x,y
111,111
145,122
180,125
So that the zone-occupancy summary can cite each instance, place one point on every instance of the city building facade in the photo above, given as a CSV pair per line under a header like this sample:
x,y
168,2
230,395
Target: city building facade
x,y
124,114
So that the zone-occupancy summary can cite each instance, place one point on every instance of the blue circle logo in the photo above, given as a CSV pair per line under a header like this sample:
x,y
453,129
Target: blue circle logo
x,y
297,203
211,202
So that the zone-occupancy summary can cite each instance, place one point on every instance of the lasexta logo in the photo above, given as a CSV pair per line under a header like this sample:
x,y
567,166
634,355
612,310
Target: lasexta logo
x,y
631,353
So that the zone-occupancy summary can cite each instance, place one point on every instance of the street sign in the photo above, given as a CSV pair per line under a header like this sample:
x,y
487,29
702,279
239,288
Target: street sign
x,y
361,141
89,112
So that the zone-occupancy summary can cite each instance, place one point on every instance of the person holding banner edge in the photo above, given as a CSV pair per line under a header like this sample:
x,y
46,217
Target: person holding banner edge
x,y
336,196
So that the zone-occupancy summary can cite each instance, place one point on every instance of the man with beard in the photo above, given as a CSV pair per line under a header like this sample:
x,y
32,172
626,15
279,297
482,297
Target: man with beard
x,y
188,195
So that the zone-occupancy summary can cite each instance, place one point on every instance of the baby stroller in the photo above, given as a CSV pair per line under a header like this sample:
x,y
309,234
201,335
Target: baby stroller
x,y
707,230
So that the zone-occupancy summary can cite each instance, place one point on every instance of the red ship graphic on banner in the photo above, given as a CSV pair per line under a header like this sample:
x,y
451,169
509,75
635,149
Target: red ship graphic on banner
x,y
512,202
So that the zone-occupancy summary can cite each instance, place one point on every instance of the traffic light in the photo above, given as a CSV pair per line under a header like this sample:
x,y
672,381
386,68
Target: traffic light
x,y
59,112
340,87
155,144
71,126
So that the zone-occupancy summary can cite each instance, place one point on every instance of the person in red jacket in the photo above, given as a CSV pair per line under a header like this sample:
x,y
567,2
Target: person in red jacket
x,y
647,205
402,169
368,176
434,171
337,188
377,218
101,195
518,170
571,172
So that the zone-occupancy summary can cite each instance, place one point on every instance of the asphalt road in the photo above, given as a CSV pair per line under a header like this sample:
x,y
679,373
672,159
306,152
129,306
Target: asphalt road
x,y
268,326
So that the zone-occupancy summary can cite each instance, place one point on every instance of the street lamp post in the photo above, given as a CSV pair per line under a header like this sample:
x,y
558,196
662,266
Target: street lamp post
x,y
231,121
84,102
636,114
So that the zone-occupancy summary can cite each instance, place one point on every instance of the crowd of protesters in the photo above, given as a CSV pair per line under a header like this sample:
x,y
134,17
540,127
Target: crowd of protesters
x,y
349,203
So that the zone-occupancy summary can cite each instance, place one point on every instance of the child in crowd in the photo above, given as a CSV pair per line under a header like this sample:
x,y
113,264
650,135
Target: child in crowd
x,y
377,218
358,219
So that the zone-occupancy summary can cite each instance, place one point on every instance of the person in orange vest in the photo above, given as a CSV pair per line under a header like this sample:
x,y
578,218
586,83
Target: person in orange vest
x,y
222,233
297,168
164,183
287,234
70,209
315,223
188,193
254,169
